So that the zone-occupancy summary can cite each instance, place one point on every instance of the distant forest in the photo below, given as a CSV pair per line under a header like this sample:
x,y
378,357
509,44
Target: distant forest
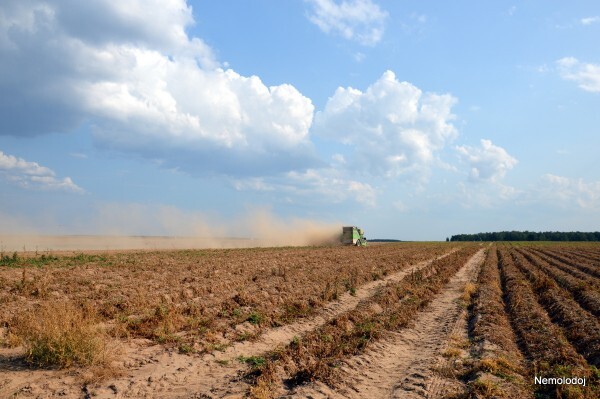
x,y
528,236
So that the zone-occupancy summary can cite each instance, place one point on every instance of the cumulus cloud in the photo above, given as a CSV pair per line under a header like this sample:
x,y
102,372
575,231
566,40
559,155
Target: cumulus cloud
x,y
361,21
145,87
589,20
488,162
568,192
587,76
394,128
33,176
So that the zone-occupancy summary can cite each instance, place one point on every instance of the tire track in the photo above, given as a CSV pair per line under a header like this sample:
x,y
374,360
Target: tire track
x,y
399,366
154,372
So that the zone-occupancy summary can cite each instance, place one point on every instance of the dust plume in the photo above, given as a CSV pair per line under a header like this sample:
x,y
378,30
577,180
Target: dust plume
x,y
114,226
270,230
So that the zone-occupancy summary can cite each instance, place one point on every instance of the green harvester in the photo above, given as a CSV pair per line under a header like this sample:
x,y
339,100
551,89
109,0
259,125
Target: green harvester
x,y
352,235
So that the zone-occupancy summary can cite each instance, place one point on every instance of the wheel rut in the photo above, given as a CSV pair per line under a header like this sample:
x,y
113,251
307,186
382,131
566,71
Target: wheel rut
x,y
154,372
400,365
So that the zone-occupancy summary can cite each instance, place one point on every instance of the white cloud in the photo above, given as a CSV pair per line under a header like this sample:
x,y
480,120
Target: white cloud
x,y
361,21
32,175
549,193
394,128
488,196
488,162
590,20
568,192
146,88
587,76
325,185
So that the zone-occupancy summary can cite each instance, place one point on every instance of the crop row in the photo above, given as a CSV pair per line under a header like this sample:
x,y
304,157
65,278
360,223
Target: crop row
x,y
583,293
548,351
594,257
575,261
566,267
580,327
196,299
594,254
316,355
496,350
588,251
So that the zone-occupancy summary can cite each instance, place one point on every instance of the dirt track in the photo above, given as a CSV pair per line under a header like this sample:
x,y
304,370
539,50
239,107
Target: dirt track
x,y
400,365
161,374
156,371
152,371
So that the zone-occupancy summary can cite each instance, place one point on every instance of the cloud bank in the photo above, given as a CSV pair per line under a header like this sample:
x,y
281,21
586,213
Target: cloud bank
x,y
568,192
145,88
154,91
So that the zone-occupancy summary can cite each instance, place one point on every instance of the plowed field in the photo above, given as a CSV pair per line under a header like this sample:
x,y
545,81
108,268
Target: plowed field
x,y
407,320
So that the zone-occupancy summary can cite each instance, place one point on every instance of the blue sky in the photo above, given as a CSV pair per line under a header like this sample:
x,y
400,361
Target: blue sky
x,y
414,120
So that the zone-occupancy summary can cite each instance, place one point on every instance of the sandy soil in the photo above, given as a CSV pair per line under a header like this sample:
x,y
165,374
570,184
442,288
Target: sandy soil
x,y
155,372
50,243
400,365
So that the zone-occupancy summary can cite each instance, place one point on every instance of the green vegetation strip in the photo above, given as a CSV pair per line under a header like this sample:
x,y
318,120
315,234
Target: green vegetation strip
x,y
14,260
317,355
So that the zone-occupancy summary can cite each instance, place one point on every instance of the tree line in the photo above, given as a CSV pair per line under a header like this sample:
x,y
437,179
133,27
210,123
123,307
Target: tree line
x,y
529,236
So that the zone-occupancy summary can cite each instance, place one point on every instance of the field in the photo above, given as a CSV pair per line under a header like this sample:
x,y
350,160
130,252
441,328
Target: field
x,y
402,320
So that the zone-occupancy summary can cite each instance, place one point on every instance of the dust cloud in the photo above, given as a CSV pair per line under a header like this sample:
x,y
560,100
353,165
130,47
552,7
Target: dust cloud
x,y
272,231
139,226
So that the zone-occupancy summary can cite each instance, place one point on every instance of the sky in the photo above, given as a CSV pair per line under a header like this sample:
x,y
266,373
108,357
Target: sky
x,y
413,120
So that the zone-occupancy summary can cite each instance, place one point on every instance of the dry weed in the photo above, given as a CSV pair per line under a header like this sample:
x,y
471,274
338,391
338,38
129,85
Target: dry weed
x,y
468,292
486,388
61,334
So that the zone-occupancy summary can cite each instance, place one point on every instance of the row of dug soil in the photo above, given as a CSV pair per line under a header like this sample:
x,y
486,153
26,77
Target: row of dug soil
x,y
197,301
534,315
318,354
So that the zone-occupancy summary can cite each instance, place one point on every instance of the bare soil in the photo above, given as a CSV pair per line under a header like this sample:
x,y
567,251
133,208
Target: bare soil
x,y
202,323
138,282
400,365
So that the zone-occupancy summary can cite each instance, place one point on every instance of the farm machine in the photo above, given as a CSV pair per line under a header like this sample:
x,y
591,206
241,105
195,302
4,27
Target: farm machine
x,y
352,235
